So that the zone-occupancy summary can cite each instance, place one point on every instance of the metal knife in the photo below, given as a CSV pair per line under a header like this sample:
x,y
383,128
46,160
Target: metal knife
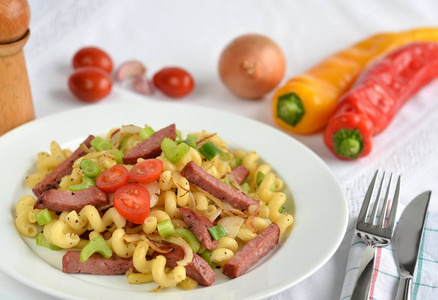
x,y
408,240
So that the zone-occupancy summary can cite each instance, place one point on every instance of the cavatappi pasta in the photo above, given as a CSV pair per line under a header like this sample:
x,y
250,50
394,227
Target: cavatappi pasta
x,y
169,192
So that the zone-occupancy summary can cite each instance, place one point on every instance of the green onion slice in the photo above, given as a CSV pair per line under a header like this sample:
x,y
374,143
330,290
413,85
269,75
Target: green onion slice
x,y
189,237
119,157
260,177
237,162
86,183
191,140
96,245
172,151
90,168
245,187
165,228
146,132
209,150
206,255
43,217
41,241
217,232
225,156
100,144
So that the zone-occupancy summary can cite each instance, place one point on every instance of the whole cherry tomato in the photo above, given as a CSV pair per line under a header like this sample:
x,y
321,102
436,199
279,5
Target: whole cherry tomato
x,y
92,57
132,201
90,84
174,82
113,178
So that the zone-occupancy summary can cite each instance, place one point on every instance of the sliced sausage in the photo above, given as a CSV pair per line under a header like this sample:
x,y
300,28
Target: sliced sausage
x,y
59,201
198,269
197,176
95,264
199,224
239,174
252,252
52,180
150,147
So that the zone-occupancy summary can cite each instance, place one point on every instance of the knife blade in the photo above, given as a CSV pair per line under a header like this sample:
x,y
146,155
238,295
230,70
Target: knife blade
x,y
408,240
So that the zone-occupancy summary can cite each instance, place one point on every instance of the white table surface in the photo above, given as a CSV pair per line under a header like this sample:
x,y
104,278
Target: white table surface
x,y
192,34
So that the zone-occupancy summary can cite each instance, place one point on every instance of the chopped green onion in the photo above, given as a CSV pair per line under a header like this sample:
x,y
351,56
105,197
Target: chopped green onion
x,y
98,245
122,144
189,237
206,255
225,156
146,132
119,157
217,232
209,150
165,228
90,168
172,151
245,187
41,241
178,138
281,209
191,140
86,183
100,144
43,217
260,177
226,180
238,161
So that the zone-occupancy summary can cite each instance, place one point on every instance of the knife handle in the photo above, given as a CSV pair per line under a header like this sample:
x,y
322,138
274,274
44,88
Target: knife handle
x,y
362,285
404,291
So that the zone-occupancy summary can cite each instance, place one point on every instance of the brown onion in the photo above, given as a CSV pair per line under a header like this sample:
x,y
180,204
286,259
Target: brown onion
x,y
251,66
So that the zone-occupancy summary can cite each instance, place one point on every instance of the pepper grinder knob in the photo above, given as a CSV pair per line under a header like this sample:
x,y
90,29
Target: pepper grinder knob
x,y
16,105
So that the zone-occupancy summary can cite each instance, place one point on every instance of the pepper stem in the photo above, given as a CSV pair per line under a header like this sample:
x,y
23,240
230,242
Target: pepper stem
x,y
290,109
348,143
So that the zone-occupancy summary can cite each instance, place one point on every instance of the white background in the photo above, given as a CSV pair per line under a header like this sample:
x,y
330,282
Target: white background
x,y
192,34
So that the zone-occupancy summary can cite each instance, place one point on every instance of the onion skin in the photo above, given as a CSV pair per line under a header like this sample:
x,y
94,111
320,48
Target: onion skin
x,y
251,66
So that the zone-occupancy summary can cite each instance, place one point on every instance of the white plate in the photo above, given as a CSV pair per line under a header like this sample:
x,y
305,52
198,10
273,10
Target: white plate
x,y
320,208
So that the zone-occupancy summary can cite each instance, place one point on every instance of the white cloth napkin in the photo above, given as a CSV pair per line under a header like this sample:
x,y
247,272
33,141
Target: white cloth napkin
x,y
386,277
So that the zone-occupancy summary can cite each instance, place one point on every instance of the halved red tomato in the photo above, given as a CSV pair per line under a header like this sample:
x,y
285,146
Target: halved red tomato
x,y
146,171
132,201
113,178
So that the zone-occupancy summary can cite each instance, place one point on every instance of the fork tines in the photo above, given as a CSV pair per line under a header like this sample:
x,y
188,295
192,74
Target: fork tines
x,y
364,216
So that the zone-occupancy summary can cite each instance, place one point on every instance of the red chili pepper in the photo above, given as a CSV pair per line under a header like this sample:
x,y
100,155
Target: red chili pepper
x,y
377,95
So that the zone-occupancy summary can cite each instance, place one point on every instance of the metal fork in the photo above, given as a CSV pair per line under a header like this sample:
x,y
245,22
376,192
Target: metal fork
x,y
374,232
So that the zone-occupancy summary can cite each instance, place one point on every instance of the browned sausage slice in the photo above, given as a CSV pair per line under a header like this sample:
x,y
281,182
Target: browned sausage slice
x,y
239,174
252,252
199,224
95,264
198,269
150,147
217,188
52,180
59,201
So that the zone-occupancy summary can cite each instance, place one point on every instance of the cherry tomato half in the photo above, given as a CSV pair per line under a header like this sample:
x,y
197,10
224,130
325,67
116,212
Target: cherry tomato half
x,y
174,82
132,201
113,178
146,171
92,57
90,84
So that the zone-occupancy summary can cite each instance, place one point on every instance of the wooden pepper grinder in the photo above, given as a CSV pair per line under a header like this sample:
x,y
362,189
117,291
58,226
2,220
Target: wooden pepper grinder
x,y
16,105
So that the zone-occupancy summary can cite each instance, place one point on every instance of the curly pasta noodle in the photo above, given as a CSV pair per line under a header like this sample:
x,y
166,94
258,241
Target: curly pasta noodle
x,y
59,233
46,163
89,219
25,219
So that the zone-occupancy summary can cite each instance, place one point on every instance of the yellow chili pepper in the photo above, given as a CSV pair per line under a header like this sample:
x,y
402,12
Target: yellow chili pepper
x,y
305,103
